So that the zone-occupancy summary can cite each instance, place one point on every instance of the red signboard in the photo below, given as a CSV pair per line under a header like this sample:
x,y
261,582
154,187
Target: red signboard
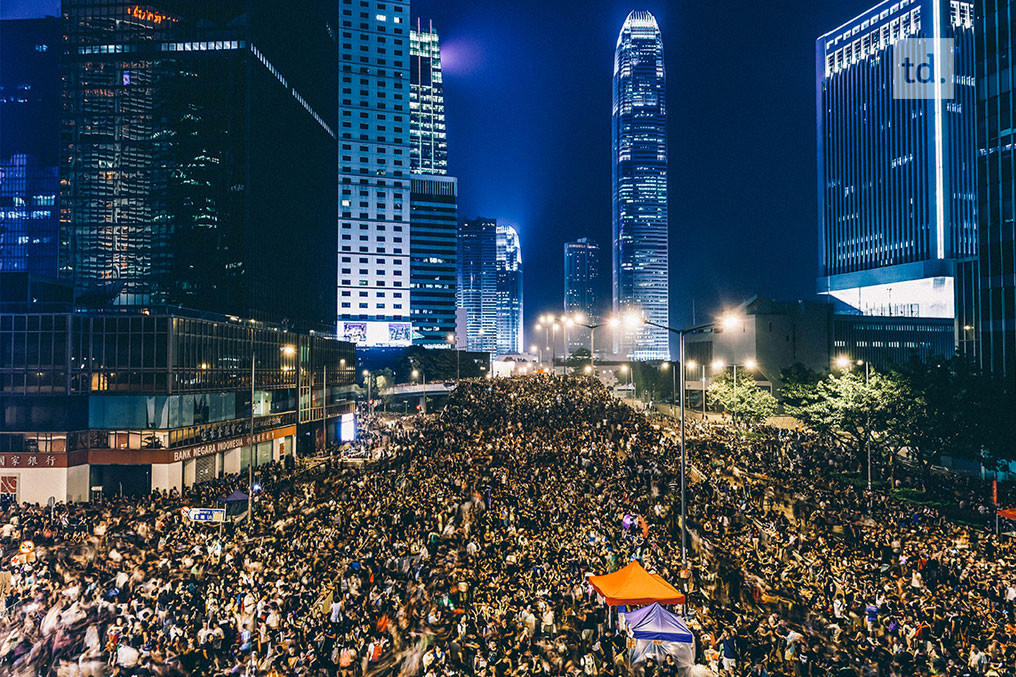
x,y
9,485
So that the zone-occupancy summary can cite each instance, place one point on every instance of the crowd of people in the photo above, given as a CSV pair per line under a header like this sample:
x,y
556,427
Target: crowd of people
x,y
466,551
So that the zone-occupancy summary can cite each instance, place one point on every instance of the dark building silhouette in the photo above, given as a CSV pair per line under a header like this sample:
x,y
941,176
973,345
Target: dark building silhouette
x,y
199,155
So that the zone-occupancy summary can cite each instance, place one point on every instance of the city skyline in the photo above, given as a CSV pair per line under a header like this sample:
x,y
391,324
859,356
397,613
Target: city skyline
x,y
493,129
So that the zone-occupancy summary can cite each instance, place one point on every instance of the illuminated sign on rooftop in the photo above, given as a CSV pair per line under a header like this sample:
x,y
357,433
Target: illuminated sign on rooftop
x,y
149,15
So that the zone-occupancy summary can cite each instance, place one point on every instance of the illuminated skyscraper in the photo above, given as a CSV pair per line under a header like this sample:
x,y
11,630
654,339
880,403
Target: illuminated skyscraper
x,y
896,176
432,245
490,286
509,291
374,167
433,214
639,131
582,277
427,138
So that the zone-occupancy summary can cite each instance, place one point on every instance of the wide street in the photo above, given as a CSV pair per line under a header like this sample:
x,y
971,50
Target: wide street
x,y
467,553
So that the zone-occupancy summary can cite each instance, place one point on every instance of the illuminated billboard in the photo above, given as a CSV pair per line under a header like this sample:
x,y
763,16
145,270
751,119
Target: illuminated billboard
x,y
377,334
347,427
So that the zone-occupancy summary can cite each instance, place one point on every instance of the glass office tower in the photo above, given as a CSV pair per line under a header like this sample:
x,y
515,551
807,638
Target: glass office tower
x,y
639,132
427,138
996,326
432,263
581,286
509,290
582,277
29,145
199,156
433,212
896,177
490,286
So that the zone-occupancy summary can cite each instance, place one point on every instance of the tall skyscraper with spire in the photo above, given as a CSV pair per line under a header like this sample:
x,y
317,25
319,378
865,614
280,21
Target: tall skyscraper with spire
x,y
639,132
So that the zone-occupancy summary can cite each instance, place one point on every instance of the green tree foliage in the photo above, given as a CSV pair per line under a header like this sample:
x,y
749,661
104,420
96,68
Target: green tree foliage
x,y
438,365
578,359
747,402
852,405
651,381
798,384
920,411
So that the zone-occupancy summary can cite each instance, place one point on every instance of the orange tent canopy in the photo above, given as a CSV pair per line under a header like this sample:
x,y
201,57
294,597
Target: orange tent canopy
x,y
1009,514
633,585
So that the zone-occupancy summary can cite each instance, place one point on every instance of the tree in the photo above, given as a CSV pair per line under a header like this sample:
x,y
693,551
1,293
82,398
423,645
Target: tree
x,y
853,406
952,411
798,384
579,358
651,382
747,401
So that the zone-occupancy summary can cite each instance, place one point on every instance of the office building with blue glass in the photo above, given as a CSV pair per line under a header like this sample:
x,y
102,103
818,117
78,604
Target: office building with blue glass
x,y
432,198
994,328
490,286
199,158
639,178
582,277
896,177
433,227
29,145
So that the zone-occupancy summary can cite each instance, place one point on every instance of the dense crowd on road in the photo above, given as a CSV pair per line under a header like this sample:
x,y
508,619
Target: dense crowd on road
x,y
468,553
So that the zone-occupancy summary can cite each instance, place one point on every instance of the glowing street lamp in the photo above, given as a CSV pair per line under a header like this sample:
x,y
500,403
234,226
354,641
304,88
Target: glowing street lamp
x,y
453,340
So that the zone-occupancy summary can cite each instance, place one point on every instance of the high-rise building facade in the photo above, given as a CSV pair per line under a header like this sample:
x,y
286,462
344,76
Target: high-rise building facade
x,y
434,225
896,176
374,166
510,327
640,222
427,138
582,277
199,156
582,287
995,327
433,213
490,286
476,284
29,145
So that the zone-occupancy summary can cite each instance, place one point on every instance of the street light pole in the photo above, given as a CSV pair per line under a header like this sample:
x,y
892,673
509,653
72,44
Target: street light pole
x,y
844,362
703,393
867,442
324,401
454,340
684,509
684,529
592,340
733,418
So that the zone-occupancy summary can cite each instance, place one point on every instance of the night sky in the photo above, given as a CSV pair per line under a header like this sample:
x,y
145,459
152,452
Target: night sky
x,y
528,96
